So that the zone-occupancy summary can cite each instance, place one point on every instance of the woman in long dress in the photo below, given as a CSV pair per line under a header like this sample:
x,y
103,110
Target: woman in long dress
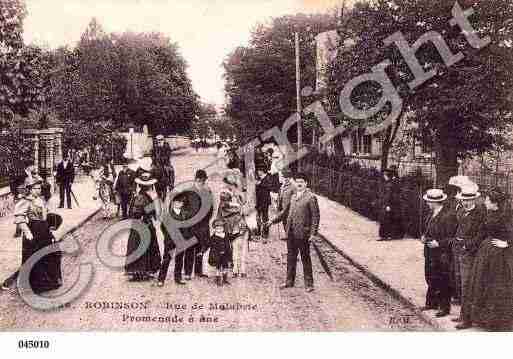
x,y
105,186
390,226
492,276
31,215
144,267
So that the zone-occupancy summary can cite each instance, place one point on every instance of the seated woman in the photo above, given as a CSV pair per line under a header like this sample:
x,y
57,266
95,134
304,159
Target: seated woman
x,y
492,275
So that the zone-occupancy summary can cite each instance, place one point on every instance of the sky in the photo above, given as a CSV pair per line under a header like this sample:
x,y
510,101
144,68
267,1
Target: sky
x,y
206,30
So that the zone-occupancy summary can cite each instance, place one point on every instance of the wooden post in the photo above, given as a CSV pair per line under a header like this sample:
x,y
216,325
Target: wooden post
x,y
298,94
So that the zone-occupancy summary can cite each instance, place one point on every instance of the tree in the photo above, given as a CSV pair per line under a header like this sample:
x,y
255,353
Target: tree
x,y
260,78
22,68
122,78
464,106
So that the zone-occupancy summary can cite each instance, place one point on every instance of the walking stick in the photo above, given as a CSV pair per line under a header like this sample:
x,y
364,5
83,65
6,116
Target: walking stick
x,y
74,197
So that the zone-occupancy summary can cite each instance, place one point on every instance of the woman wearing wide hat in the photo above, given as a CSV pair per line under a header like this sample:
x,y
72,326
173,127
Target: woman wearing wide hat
x,y
148,264
440,227
31,214
491,285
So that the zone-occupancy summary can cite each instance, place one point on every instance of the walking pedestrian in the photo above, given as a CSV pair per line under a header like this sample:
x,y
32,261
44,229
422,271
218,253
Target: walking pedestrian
x,y
491,284
145,266
106,190
125,187
301,228
178,213
264,186
469,235
196,197
64,178
220,256
440,228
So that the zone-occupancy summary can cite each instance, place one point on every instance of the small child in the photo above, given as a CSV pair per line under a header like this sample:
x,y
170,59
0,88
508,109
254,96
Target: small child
x,y
220,255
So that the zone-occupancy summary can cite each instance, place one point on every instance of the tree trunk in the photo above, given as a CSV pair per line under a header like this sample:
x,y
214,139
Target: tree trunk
x,y
446,162
389,138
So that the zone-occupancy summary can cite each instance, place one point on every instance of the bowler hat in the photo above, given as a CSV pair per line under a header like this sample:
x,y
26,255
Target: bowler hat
x,y
201,174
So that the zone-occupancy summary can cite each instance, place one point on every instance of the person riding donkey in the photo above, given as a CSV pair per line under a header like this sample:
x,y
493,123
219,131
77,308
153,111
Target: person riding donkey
x,y
163,170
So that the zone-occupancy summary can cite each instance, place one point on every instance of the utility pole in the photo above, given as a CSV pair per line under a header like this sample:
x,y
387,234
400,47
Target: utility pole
x,y
298,94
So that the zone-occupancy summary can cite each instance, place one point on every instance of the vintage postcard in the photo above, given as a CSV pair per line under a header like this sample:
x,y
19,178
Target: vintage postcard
x,y
255,166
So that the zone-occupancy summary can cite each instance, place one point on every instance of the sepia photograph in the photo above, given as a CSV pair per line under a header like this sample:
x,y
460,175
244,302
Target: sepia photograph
x,y
272,166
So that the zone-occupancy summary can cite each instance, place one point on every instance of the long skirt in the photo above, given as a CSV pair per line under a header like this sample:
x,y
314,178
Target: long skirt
x,y
46,274
391,225
492,287
149,262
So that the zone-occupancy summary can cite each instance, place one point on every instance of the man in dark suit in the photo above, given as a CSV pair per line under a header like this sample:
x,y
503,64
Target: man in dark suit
x,y
125,187
440,228
200,195
178,213
65,177
469,235
302,226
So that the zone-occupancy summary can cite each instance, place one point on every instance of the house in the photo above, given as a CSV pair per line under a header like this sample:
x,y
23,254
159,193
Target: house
x,y
407,152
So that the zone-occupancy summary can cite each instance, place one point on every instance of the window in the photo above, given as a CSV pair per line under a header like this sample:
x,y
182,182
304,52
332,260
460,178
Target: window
x,y
367,144
354,142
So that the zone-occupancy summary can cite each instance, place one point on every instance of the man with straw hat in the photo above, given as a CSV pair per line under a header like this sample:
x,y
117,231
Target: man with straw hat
x,y
440,228
468,238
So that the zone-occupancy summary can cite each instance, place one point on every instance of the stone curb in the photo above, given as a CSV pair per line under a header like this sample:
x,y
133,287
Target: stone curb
x,y
384,285
80,224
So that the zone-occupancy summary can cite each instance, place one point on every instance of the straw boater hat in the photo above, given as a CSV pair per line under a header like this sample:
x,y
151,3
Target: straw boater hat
x,y
435,195
469,191
145,179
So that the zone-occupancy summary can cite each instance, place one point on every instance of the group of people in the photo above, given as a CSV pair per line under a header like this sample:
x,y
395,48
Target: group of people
x,y
468,255
222,242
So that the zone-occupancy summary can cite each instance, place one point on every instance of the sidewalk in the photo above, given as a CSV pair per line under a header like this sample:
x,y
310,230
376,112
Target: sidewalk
x,y
10,247
398,265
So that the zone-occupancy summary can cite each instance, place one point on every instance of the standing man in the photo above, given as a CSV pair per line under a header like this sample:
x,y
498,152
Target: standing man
x,y
200,195
439,231
301,228
65,177
178,213
469,235
125,187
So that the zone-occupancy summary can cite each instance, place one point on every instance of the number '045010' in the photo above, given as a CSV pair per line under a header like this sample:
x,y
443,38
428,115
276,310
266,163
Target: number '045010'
x,y
33,344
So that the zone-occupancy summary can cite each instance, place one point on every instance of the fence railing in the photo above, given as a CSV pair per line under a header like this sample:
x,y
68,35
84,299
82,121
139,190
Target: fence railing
x,y
364,194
